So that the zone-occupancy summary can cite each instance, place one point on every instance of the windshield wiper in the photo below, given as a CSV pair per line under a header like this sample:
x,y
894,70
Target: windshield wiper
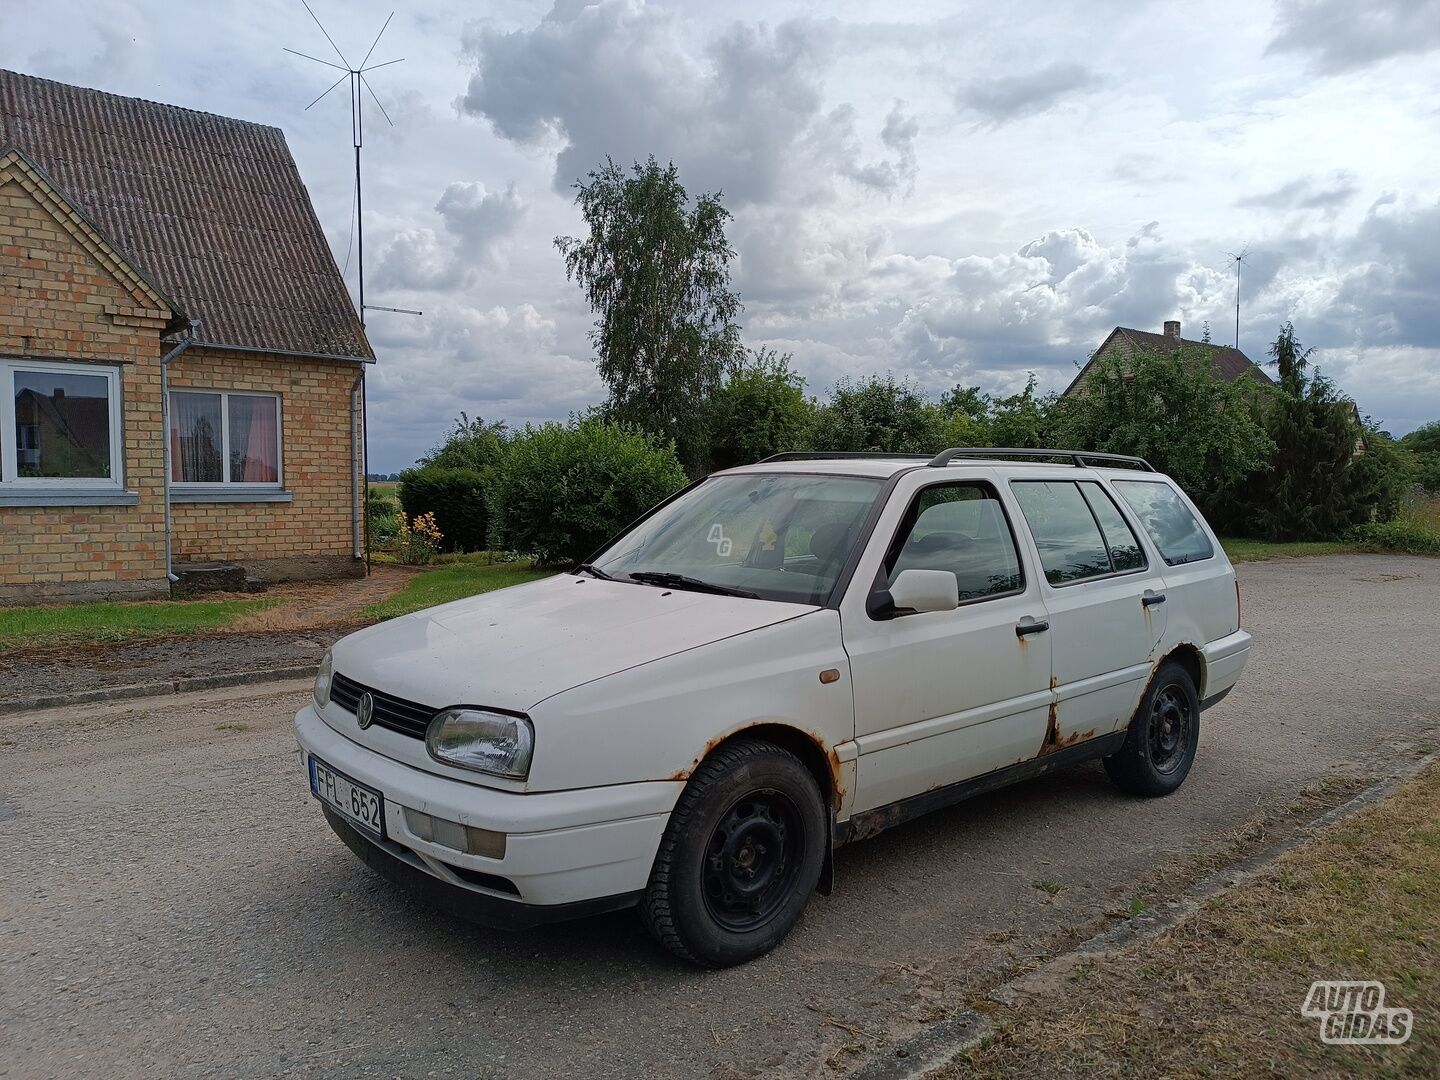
x,y
593,571
681,581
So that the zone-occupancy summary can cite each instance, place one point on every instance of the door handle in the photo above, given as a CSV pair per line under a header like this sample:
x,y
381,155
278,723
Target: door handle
x,y
1151,597
1030,625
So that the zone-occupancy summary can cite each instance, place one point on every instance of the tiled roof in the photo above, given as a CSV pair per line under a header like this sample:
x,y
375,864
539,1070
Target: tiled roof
x,y
1230,363
211,209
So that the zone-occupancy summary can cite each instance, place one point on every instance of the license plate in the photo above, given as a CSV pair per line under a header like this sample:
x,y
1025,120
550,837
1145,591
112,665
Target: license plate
x,y
354,802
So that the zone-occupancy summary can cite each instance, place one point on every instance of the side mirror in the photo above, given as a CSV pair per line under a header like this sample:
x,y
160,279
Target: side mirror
x,y
921,590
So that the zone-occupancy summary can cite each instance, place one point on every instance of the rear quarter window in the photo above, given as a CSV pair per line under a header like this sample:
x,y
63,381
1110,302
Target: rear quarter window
x,y
1179,537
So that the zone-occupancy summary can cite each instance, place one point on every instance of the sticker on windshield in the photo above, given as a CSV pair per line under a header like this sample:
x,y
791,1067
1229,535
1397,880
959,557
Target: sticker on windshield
x,y
723,544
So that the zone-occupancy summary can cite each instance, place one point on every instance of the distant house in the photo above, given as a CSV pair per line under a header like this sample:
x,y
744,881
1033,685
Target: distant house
x,y
1232,365
130,232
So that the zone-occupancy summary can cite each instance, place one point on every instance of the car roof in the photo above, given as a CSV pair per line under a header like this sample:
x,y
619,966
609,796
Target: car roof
x,y
883,467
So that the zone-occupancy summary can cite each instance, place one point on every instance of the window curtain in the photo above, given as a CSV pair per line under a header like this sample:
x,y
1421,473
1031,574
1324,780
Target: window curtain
x,y
254,440
195,438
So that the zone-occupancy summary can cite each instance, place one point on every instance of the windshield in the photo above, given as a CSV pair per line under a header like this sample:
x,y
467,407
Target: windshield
x,y
775,537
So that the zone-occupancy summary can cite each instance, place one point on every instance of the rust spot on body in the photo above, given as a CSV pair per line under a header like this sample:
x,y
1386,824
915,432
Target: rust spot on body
x,y
1053,739
836,771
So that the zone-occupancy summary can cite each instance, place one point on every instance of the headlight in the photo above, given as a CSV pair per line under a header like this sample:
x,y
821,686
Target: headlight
x,y
482,741
322,682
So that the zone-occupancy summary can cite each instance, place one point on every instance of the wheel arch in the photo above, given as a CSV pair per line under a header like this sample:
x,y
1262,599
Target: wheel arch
x,y
1192,659
822,764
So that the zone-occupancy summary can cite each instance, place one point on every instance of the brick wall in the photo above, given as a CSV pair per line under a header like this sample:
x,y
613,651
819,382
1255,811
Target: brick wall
x,y
312,535
62,298
65,296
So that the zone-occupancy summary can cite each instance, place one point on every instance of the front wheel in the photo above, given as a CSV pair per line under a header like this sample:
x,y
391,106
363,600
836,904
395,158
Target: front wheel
x,y
1161,741
741,855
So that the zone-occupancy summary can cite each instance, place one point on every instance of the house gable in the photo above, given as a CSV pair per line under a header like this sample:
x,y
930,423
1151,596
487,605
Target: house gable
x,y
65,285
1230,364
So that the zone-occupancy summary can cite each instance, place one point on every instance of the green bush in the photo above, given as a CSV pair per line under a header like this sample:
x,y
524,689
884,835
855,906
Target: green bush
x,y
761,409
1408,536
879,415
382,514
563,490
457,498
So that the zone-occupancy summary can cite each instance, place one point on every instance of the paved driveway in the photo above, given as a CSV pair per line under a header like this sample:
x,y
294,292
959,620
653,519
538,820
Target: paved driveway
x,y
171,901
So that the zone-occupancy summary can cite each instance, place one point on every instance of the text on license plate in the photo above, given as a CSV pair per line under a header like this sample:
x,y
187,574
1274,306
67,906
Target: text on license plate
x,y
352,801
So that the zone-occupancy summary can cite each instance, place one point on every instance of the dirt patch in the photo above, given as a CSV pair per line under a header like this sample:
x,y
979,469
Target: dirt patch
x,y
42,672
307,619
314,604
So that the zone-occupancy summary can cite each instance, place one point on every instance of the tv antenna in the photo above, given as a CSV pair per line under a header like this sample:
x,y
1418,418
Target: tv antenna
x,y
359,85
1239,260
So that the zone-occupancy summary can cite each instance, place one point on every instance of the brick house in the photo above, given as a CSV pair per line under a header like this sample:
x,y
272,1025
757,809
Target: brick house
x,y
1232,365
146,247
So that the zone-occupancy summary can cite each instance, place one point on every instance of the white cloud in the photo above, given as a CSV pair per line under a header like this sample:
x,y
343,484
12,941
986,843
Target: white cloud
x,y
950,196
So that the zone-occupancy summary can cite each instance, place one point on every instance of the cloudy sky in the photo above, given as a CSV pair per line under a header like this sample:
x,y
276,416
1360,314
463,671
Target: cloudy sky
x,y
952,192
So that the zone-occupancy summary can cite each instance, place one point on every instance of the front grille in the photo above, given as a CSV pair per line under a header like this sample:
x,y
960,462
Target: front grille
x,y
407,717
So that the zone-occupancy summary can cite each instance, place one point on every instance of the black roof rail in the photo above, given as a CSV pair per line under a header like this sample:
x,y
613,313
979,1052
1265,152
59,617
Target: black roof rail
x,y
823,455
1078,458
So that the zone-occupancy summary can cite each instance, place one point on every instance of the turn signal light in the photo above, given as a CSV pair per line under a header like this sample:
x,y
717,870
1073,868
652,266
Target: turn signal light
x,y
452,834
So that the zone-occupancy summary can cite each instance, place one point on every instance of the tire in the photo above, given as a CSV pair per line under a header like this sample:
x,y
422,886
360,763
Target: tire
x,y
741,855
1163,735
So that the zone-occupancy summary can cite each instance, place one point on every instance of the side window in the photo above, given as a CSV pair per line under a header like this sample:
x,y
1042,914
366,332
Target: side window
x,y
1071,545
1120,539
960,528
1180,538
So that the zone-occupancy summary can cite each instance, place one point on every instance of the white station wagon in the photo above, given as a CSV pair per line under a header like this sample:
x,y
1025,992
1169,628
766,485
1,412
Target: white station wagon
x,y
777,660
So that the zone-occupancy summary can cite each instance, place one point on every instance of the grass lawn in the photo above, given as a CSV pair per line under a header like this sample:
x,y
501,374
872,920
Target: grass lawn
x,y
1256,550
27,627
1219,995
468,575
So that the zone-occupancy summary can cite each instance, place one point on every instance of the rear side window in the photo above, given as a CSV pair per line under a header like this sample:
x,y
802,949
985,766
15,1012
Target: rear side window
x,y
1178,536
1120,539
962,529
1066,523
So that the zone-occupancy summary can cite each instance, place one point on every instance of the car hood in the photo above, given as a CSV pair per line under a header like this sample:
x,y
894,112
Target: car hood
x,y
514,647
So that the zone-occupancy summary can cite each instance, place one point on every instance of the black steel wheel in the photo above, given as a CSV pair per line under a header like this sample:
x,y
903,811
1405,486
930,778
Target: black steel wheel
x,y
752,859
1163,735
1171,718
741,855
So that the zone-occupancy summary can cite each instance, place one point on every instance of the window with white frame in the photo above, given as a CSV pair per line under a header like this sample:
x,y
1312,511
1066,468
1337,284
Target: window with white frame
x,y
59,425
224,437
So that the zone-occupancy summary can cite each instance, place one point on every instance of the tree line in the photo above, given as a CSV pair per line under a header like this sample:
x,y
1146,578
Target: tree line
x,y
686,396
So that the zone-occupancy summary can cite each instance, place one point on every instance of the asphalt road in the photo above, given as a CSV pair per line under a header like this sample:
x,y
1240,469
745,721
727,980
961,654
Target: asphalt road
x,y
172,903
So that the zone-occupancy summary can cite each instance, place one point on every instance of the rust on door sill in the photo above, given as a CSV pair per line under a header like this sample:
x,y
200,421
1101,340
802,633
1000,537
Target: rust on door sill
x,y
1053,739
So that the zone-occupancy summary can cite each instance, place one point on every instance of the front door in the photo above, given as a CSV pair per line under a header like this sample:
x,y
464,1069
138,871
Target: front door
x,y
943,696
1105,605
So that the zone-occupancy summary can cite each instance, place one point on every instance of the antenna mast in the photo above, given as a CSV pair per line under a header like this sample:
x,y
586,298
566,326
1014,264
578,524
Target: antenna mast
x,y
1239,260
358,85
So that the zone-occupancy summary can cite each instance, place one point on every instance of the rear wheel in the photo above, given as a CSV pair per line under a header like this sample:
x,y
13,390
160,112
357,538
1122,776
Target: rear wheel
x,y
741,855
1163,735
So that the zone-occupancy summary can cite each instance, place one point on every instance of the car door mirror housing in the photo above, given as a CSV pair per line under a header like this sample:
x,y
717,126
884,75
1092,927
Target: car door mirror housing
x,y
915,591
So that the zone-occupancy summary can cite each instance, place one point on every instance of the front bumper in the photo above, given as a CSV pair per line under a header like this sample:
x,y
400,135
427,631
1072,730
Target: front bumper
x,y
567,853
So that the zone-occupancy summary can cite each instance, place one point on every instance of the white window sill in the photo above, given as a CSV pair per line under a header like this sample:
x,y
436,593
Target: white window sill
x,y
224,493
65,496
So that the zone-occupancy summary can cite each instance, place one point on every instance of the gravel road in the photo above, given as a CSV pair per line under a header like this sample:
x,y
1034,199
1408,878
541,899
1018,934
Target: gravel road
x,y
172,903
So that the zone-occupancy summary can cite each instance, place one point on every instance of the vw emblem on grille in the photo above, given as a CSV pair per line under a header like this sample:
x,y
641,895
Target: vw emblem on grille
x,y
365,711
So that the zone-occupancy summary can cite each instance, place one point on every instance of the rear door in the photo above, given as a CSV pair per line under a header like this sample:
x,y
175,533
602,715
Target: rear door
x,y
946,695
1199,580
1106,604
